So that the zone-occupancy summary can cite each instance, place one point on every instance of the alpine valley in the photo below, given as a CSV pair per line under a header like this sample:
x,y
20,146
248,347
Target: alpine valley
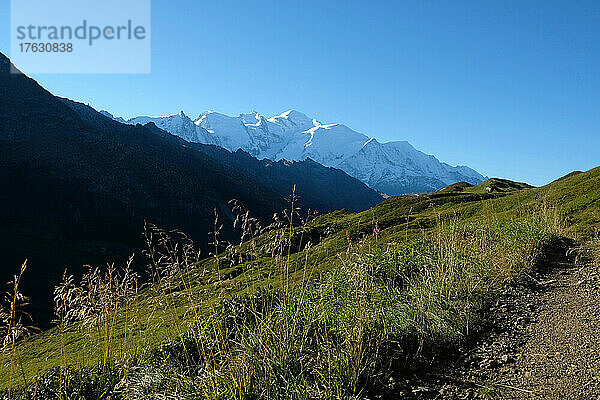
x,y
392,168
77,187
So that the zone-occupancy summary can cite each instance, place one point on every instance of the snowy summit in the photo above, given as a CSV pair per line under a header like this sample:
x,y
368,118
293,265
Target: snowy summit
x,y
393,168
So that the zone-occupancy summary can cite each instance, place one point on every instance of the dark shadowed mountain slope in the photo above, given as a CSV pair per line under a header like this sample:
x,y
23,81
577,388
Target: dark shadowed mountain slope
x,y
73,192
319,188
393,168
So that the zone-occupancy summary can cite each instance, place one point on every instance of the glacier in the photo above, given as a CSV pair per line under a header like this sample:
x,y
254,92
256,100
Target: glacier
x,y
393,168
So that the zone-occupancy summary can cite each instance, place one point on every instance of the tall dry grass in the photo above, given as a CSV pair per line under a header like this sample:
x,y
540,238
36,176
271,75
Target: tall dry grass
x,y
337,335
15,322
342,334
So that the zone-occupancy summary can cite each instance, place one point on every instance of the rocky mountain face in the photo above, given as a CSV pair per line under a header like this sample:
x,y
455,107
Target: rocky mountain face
x,y
392,168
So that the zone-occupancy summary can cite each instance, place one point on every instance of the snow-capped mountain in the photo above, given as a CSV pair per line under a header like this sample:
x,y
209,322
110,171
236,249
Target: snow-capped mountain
x,y
392,168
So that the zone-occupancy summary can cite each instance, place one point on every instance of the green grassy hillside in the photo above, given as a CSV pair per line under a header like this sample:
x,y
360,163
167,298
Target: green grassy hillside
x,y
326,307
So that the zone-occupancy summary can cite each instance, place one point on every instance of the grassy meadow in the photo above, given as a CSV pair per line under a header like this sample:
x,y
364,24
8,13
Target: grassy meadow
x,y
311,307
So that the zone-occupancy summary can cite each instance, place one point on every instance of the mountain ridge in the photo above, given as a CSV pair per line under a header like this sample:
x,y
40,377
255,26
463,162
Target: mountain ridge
x,y
77,187
392,167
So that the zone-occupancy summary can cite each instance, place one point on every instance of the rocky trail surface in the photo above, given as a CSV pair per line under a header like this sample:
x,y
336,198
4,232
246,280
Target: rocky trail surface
x,y
542,341
561,356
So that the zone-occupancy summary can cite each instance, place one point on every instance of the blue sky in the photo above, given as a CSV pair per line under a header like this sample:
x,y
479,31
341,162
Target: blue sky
x,y
510,88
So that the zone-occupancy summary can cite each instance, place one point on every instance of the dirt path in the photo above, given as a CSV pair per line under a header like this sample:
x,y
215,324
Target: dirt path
x,y
561,355
543,341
